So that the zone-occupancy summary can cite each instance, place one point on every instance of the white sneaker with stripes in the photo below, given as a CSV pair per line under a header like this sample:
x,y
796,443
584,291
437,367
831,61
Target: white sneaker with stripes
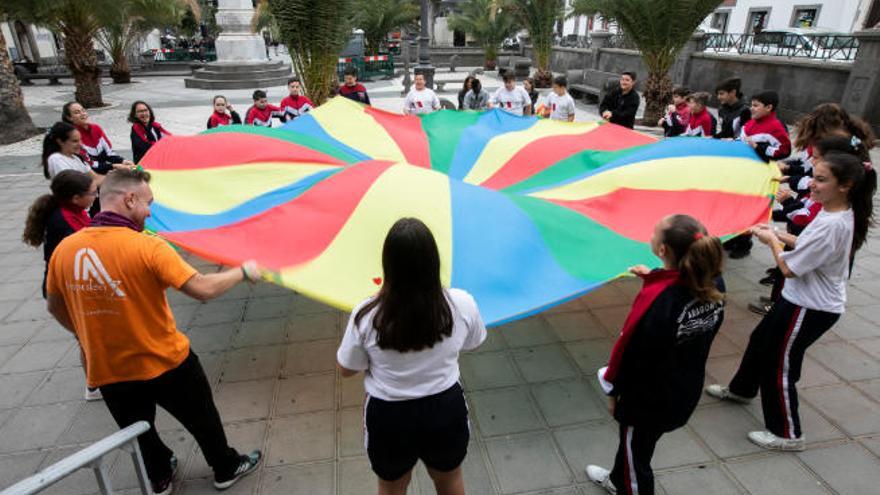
x,y
600,476
770,441
724,393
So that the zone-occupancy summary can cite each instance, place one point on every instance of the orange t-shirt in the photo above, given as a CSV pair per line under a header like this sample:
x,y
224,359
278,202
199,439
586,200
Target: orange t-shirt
x,y
113,281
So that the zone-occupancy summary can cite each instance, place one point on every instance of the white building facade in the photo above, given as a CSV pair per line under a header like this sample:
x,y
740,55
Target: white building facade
x,y
749,16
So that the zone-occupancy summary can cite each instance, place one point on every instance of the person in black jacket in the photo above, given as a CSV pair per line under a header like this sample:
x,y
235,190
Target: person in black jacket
x,y
145,131
654,377
620,105
733,111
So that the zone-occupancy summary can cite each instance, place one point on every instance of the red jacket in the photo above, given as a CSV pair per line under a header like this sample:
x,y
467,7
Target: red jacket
x,y
256,116
294,106
96,148
770,137
701,124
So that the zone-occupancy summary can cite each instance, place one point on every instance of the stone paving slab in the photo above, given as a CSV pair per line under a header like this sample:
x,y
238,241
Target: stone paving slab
x,y
537,414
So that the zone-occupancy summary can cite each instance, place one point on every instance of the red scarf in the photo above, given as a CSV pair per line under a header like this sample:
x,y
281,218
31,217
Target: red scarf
x,y
75,216
140,129
654,284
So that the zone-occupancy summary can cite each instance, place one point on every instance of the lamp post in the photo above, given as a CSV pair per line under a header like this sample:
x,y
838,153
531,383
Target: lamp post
x,y
424,66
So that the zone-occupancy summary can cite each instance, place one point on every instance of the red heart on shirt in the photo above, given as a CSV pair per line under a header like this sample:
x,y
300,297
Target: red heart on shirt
x,y
377,280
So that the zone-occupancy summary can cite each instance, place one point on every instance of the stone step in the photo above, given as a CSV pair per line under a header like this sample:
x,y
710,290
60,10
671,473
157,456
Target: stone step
x,y
231,76
236,83
246,68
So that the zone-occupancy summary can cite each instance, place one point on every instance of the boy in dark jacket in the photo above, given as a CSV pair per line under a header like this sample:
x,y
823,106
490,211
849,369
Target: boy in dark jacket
x,y
655,374
733,111
620,105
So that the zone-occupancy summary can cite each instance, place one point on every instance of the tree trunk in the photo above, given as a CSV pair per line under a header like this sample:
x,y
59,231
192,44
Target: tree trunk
x,y
15,122
83,65
491,57
120,71
658,93
543,49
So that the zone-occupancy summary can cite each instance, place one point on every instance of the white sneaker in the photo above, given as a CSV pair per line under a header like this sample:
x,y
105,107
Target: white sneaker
x,y
724,393
770,441
600,476
93,394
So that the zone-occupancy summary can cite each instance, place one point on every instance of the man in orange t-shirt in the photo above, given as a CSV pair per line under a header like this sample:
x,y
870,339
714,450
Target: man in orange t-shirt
x,y
106,284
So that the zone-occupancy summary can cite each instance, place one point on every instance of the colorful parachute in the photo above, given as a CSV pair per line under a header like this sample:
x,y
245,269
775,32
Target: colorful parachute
x,y
527,212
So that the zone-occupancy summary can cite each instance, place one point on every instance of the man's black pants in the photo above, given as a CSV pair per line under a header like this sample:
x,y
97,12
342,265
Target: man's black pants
x,y
186,394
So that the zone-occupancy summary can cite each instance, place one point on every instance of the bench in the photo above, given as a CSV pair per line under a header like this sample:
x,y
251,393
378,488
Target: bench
x,y
591,82
440,84
53,77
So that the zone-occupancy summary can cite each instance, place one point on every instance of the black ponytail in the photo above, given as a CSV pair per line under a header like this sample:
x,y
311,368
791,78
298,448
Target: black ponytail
x,y
698,256
58,131
860,175
65,185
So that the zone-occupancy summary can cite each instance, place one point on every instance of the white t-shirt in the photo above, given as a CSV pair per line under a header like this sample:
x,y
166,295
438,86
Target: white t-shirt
x,y
421,101
58,162
511,101
394,376
821,262
561,107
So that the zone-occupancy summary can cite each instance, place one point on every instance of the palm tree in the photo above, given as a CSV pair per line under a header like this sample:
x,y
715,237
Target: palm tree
x,y
539,18
660,29
77,21
15,121
487,23
130,21
377,18
315,31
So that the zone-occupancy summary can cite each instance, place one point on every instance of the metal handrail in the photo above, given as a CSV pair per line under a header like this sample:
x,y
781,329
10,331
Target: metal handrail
x,y
92,457
792,45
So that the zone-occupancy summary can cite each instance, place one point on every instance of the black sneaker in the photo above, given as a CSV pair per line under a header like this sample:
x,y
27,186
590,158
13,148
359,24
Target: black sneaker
x,y
765,300
165,486
769,280
246,465
760,308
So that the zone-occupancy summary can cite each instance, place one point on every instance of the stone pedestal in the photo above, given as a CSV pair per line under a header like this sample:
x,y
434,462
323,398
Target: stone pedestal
x,y
862,94
237,43
241,54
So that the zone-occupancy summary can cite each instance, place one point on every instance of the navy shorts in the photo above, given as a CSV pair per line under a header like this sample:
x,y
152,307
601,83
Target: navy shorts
x,y
434,429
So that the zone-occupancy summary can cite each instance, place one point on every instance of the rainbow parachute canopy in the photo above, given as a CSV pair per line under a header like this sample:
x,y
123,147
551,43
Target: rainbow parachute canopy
x,y
527,212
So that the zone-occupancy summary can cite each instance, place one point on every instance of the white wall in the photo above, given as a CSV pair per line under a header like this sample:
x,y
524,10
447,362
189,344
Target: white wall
x,y
837,15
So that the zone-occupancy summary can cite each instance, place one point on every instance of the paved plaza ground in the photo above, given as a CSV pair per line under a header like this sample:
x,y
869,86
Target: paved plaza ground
x,y
537,414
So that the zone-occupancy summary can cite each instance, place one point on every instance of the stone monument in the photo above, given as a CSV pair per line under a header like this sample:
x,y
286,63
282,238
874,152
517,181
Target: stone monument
x,y
241,54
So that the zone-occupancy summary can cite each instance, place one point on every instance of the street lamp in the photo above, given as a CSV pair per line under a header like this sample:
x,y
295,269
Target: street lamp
x,y
424,66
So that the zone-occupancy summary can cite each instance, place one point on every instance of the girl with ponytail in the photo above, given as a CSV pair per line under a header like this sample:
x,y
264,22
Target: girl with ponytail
x,y
813,296
52,217
655,374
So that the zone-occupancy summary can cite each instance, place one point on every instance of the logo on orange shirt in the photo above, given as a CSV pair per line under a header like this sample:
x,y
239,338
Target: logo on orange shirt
x,y
88,268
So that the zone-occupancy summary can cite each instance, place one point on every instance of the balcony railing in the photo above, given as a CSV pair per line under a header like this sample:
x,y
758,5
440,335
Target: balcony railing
x,y
807,46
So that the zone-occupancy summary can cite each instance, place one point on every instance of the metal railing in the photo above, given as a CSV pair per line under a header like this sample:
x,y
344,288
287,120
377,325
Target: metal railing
x,y
792,45
91,457
621,40
183,55
367,66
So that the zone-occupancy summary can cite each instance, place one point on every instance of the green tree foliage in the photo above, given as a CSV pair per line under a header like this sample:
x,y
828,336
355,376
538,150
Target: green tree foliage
x,y
315,32
539,18
488,24
78,22
377,18
660,29
130,21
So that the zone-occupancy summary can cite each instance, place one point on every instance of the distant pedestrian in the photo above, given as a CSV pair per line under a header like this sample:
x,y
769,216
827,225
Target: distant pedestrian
x,y
145,131
420,99
407,340
620,105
